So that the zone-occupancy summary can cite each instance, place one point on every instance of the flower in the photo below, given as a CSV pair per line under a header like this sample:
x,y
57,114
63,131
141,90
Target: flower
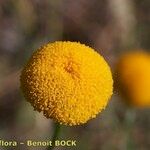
x,y
68,81
133,77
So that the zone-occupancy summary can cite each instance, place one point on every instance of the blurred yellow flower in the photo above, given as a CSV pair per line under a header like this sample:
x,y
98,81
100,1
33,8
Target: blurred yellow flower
x,y
67,81
134,77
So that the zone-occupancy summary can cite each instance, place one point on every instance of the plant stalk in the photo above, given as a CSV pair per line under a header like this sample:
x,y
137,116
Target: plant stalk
x,y
55,135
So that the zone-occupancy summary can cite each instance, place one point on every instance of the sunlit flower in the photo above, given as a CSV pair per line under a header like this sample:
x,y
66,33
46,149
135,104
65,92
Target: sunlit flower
x,y
67,81
133,77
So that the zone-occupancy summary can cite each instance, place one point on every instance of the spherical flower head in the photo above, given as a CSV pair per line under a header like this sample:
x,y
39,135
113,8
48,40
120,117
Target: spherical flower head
x,y
68,81
133,77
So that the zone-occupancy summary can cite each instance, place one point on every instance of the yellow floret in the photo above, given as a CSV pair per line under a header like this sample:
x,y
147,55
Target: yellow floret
x,y
67,81
134,77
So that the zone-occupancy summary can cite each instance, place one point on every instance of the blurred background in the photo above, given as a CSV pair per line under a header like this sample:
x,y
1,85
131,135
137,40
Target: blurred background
x,y
109,26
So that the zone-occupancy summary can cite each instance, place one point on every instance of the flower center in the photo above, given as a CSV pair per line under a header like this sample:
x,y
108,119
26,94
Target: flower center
x,y
72,68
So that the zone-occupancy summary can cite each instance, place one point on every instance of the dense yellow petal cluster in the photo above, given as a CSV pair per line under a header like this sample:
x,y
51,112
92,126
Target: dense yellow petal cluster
x,y
67,81
134,77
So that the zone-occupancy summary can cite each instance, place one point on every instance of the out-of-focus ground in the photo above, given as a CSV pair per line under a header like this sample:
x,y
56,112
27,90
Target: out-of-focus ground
x,y
109,26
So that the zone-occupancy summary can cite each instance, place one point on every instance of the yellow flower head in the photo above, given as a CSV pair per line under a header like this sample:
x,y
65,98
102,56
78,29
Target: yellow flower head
x,y
67,81
134,77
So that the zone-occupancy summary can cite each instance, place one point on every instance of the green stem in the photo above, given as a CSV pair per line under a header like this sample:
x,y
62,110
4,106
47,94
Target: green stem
x,y
55,135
